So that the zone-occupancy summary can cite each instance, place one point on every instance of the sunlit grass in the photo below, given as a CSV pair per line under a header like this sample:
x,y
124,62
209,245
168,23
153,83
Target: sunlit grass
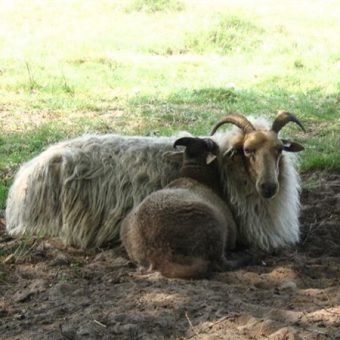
x,y
154,66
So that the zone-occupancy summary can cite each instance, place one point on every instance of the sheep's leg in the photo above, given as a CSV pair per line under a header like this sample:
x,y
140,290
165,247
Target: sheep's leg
x,y
185,267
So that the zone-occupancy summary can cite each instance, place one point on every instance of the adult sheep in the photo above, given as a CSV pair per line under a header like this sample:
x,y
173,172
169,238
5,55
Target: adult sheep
x,y
81,189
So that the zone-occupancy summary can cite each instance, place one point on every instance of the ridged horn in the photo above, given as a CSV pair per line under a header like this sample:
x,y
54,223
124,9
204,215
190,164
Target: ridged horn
x,y
284,117
240,121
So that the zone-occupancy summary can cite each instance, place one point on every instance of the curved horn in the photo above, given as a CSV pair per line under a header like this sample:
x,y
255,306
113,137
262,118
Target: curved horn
x,y
284,117
240,121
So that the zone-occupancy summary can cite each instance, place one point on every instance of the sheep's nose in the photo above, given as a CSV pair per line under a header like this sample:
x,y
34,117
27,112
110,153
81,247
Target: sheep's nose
x,y
268,190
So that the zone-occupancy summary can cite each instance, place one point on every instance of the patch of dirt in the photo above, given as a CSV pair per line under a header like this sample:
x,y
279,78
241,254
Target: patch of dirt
x,y
48,291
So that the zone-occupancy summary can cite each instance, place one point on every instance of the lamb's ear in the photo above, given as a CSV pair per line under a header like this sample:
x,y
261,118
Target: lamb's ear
x,y
173,156
210,157
185,141
291,146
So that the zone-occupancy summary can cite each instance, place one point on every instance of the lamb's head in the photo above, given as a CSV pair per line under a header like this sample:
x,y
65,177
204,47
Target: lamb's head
x,y
198,161
261,149
198,151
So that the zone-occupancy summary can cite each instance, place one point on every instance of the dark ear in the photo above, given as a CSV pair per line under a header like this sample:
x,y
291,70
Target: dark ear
x,y
173,156
291,146
184,141
211,146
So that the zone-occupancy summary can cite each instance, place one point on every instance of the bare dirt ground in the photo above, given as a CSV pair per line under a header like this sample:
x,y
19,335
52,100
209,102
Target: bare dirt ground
x,y
50,292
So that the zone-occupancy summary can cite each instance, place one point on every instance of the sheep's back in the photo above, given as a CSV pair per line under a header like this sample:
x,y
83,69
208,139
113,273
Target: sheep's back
x,y
81,189
178,221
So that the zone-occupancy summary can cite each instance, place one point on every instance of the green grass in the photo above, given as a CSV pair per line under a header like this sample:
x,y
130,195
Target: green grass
x,y
152,6
155,66
225,35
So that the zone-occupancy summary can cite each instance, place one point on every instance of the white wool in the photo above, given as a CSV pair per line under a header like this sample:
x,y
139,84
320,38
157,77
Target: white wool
x,y
266,223
81,189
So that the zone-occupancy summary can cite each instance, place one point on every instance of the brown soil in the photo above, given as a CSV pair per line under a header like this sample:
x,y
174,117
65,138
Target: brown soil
x,y
50,292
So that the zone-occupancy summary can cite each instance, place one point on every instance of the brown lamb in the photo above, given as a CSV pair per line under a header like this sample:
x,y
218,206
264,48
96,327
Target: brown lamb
x,y
184,229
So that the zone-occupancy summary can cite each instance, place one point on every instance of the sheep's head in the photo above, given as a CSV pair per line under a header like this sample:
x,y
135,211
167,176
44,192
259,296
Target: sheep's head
x,y
197,150
261,150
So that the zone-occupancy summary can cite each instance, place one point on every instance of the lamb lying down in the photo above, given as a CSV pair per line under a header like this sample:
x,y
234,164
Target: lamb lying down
x,y
184,229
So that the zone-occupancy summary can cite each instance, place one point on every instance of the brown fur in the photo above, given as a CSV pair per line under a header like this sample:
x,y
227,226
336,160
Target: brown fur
x,y
183,229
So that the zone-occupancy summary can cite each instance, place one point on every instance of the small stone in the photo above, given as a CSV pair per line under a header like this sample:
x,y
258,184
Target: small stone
x,y
60,260
67,331
129,327
288,286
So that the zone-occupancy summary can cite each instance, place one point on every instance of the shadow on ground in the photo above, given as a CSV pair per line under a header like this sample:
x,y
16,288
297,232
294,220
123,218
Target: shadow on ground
x,y
50,292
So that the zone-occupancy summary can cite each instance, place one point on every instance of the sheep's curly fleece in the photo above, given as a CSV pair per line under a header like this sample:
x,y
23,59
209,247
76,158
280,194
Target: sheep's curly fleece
x,y
81,189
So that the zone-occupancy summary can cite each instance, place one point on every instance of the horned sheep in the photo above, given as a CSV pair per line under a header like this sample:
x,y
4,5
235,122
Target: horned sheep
x,y
184,229
81,189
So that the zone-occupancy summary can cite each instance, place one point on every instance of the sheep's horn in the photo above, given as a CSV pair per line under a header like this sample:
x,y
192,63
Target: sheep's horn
x,y
242,122
284,117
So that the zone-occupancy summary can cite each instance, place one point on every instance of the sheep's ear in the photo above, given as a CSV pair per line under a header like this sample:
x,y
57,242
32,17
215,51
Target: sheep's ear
x,y
185,141
173,156
291,146
210,157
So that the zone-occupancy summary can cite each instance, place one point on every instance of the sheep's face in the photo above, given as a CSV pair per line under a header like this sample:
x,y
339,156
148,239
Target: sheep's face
x,y
261,151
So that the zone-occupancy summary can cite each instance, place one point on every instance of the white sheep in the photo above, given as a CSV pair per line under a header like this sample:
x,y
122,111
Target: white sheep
x,y
260,179
184,229
81,189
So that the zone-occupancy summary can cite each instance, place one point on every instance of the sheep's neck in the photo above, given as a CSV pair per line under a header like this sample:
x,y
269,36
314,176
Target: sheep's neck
x,y
208,176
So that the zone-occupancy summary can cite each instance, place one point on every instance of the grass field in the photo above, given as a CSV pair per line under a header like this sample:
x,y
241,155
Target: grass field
x,y
157,66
